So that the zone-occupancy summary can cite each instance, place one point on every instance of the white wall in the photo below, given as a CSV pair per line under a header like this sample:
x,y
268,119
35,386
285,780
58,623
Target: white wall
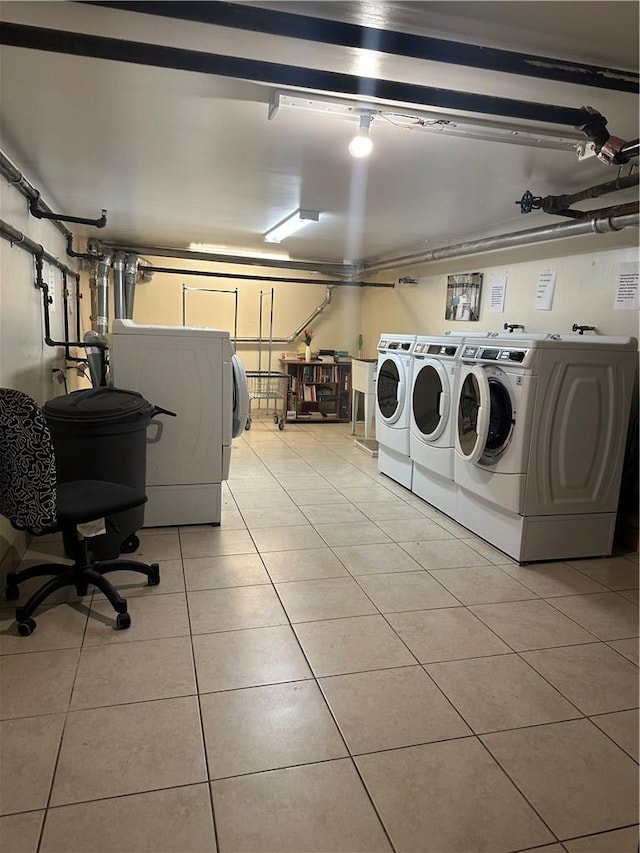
x,y
584,293
25,360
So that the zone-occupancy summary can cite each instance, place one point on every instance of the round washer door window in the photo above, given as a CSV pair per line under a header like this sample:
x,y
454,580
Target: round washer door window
x,y
387,388
500,419
428,401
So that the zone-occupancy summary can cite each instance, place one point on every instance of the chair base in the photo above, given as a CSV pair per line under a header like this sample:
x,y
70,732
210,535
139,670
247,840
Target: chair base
x,y
81,575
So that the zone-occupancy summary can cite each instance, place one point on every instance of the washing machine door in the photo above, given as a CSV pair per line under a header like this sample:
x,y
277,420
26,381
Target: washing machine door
x,y
431,402
474,404
391,389
485,416
240,397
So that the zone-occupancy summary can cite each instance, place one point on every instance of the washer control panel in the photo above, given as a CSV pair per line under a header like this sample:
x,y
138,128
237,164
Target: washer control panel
x,y
508,355
440,350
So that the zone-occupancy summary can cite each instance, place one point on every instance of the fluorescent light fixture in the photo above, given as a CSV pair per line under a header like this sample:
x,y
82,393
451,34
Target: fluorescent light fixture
x,y
431,121
290,225
361,145
240,253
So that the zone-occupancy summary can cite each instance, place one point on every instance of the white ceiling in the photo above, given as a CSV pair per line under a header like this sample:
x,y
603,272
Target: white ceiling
x,y
178,157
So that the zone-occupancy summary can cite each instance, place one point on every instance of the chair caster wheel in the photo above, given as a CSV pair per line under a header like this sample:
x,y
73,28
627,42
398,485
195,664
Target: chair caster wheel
x,y
123,620
11,592
130,545
26,627
154,577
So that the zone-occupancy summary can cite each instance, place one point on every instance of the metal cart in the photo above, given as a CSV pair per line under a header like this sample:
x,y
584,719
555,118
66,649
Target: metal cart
x,y
269,385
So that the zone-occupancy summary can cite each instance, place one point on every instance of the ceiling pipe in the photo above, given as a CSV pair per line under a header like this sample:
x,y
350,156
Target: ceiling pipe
x,y
515,239
346,270
266,278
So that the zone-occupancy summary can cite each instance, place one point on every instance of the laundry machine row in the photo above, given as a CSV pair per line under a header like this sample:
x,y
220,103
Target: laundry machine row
x,y
417,424
518,438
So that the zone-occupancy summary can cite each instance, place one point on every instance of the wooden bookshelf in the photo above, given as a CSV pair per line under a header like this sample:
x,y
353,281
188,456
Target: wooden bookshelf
x,y
319,391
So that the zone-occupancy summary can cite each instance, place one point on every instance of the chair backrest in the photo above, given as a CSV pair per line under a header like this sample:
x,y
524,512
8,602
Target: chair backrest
x,y
27,464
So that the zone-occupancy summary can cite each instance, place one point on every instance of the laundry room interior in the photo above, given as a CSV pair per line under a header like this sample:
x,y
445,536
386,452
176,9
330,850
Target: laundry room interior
x,y
368,579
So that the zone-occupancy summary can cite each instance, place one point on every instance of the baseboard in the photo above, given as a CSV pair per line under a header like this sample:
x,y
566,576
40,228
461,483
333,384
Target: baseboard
x,y
627,534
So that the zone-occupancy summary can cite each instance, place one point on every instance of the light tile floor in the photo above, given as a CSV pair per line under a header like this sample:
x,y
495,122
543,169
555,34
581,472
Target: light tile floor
x,y
338,668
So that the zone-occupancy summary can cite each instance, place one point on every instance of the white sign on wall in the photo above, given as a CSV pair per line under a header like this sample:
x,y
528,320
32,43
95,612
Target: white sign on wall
x,y
627,297
545,290
497,291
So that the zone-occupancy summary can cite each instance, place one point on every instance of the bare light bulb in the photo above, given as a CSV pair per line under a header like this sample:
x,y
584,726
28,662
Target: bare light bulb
x,y
362,145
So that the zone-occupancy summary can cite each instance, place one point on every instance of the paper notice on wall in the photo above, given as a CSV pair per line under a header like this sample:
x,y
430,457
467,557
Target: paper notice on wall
x,y
497,291
627,297
52,289
545,290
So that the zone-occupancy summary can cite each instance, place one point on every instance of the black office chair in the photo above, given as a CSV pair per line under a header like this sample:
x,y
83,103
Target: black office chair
x,y
31,500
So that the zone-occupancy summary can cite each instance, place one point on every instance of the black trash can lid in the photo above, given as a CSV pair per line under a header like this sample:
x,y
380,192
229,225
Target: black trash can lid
x,y
99,405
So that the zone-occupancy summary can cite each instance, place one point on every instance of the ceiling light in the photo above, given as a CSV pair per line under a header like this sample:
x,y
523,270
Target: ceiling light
x,y
362,144
290,225
210,248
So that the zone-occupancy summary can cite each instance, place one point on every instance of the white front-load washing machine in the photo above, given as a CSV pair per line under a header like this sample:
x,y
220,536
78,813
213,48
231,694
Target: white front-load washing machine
x,y
541,429
196,374
432,424
393,406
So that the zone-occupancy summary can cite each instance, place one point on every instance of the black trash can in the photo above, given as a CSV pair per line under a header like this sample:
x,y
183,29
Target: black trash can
x,y
100,434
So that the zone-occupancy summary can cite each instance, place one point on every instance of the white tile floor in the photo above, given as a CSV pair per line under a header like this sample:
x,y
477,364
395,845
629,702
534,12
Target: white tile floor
x,y
337,668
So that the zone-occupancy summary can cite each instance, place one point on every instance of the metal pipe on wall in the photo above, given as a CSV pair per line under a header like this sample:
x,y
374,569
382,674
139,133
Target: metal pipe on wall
x,y
268,278
514,239
130,279
101,318
118,285
17,238
292,337
15,177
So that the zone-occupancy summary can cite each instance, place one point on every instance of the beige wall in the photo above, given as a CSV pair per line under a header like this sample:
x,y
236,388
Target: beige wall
x,y
160,302
585,289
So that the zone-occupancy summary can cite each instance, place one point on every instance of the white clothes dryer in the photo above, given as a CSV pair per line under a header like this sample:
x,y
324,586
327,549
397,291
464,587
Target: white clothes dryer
x,y
393,406
200,378
541,428
432,425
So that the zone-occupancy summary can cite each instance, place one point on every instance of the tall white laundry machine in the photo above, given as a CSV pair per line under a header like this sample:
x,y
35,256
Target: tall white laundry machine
x,y
393,406
434,385
540,439
432,426
196,374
